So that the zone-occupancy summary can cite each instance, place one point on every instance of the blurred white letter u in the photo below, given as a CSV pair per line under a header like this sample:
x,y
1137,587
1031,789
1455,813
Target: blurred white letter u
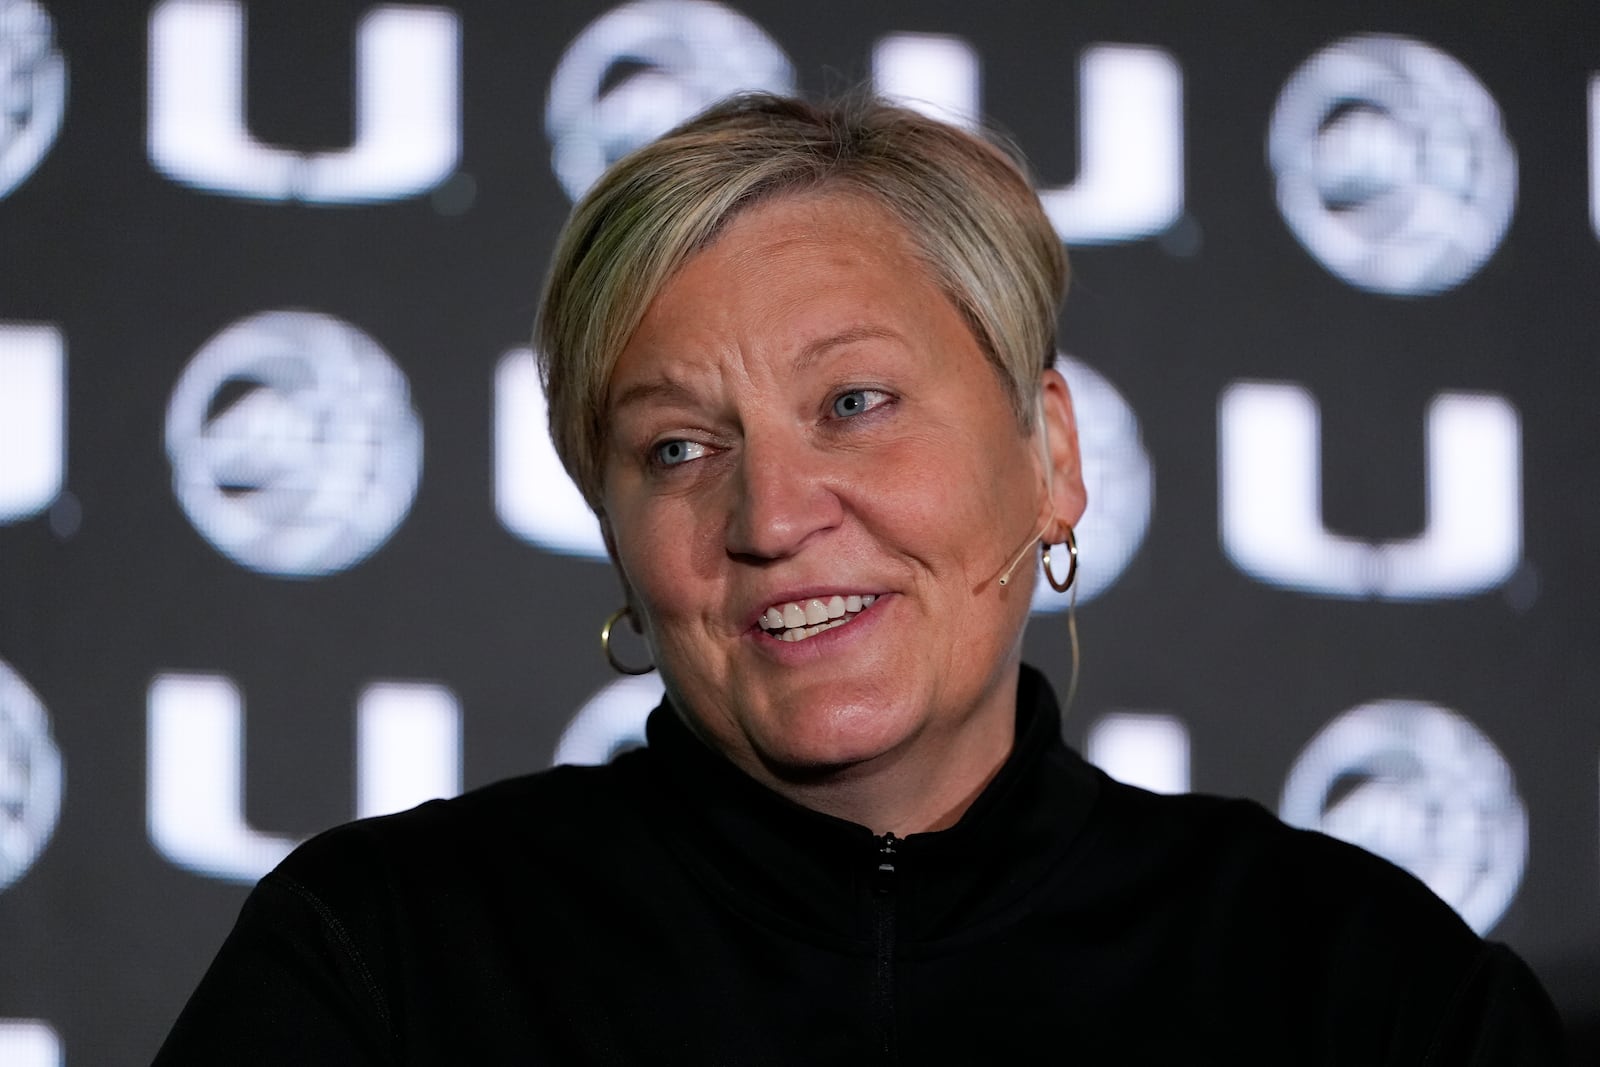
x,y
407,108
408,750
1269,440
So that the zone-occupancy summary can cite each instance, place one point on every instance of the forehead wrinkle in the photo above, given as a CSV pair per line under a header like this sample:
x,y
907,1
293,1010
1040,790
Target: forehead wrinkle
x,y
686,383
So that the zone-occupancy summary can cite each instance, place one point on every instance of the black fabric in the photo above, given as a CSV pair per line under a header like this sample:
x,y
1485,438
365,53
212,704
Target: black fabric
x,y
668,909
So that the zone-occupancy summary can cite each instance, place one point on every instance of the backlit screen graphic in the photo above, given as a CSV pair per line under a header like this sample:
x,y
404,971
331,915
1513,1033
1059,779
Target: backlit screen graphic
x,y
283,541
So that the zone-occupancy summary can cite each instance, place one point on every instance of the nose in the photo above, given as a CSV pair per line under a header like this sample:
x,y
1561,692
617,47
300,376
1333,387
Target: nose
x,y
781,499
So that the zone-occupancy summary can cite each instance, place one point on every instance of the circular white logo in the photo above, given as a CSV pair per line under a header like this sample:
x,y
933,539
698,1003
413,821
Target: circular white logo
x,y
294,446
1420,786
1118,478
676,58
30,777
1392,164
33,90
611,722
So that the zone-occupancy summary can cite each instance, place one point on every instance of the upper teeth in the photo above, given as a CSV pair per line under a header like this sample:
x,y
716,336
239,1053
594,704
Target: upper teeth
x,y
796,621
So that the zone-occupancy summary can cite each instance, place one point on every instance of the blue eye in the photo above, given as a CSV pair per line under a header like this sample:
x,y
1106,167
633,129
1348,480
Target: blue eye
x,y
857,401
676,452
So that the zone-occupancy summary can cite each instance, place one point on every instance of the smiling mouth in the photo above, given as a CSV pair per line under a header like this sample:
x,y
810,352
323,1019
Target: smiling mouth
x,y
797,621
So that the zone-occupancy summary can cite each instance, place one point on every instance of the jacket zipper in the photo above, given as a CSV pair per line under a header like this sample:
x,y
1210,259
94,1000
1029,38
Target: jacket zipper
x,y
883,914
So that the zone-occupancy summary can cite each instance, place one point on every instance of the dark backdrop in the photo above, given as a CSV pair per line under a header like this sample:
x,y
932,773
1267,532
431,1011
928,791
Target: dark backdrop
x,y
281,543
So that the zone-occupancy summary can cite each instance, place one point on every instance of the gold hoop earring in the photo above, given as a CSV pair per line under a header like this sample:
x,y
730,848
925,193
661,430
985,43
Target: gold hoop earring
x,y
605,644
1072,565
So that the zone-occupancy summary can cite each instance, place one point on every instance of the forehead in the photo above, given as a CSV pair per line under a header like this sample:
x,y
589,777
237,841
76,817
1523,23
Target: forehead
x,y
781,277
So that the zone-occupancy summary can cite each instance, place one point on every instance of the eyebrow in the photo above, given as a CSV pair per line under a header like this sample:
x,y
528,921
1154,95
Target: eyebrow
x,y
849,336
666,389
639,392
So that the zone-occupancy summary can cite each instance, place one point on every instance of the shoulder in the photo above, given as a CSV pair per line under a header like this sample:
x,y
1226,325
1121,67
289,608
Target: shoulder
x,y
1323,937
1268,895
1241,847
367,931
509,831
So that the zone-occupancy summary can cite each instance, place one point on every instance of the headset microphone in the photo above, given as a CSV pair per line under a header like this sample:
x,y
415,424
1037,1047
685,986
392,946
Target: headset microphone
x,y
1050,497
1027,546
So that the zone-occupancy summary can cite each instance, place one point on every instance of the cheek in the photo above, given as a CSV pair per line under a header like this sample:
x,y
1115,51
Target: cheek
x,y
950,485
663,550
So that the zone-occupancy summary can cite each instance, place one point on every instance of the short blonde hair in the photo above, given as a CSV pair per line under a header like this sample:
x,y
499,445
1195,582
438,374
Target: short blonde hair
x,y
966,204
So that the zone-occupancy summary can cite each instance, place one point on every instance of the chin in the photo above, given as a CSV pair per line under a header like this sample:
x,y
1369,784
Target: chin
x,y
820,740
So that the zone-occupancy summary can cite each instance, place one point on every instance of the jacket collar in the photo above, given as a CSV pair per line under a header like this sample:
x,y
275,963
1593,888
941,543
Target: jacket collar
x,y
789,866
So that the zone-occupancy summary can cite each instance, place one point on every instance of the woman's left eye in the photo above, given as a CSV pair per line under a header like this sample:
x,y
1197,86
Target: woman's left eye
x,y
857,401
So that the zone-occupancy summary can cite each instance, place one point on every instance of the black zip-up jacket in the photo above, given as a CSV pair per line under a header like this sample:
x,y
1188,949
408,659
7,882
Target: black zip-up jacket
x,y
668,909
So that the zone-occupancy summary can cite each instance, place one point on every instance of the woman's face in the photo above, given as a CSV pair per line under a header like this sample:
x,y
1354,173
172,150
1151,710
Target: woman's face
x,y
804,427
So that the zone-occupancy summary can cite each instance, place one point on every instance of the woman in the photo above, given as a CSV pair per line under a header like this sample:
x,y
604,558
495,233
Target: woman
x,y
798,362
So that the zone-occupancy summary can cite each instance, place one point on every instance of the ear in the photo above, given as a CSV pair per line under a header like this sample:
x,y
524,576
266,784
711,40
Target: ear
x,y
1066,462
622,578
